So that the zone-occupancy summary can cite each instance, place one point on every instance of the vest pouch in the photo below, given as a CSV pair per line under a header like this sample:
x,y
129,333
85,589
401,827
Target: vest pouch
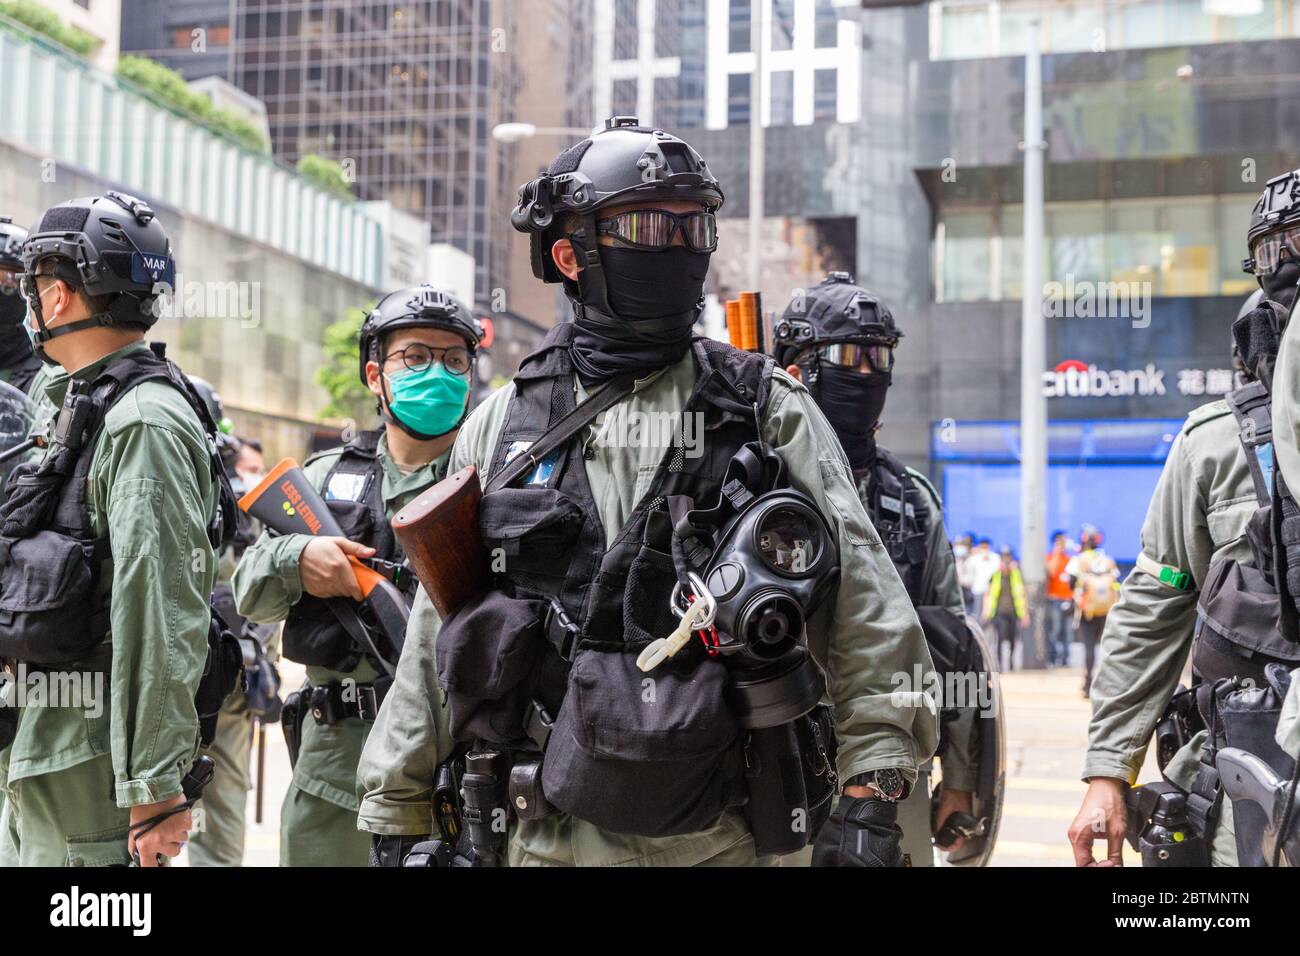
x,y
223,671
790,773
314,636
46,583
487,655
532,529
1237,631
647,754
650,581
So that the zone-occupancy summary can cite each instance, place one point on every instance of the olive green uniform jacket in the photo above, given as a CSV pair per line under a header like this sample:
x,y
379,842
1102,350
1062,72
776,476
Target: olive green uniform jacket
x,y
870,645
150,490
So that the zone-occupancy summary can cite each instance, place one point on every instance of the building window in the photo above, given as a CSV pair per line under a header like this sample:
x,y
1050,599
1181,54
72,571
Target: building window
x,y
782,24
1166,246
625,29
738,98
827,24
782,94
825,92
738,22
624,98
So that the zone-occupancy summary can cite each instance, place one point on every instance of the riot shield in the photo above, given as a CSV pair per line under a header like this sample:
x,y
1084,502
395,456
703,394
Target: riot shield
x,y
991,748
17,416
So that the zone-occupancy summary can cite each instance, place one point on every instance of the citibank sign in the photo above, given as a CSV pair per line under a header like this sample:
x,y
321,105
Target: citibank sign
x,y
1075,379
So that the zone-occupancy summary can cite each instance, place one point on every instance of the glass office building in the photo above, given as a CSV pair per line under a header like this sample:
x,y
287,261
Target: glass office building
x,y
892,149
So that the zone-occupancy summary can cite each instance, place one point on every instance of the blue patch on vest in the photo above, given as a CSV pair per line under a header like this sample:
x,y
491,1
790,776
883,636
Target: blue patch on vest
x,y
1264,455
345,487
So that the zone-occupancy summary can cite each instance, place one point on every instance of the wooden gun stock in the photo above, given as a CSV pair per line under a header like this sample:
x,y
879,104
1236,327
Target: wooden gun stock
x,y
439,532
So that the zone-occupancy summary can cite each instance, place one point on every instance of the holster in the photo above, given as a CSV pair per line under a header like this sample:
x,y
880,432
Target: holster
x,y
291,717
790,772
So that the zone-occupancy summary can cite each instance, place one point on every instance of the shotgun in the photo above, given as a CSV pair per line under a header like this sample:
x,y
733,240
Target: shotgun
x,y
439,532
286,502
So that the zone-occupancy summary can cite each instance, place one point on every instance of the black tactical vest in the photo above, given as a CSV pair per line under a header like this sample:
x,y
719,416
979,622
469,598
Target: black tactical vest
x,y
900,511
51,562
548,527
353,490
1246,621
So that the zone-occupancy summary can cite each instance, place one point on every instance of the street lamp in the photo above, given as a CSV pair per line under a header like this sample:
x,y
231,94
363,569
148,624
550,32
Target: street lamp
x,y
517,132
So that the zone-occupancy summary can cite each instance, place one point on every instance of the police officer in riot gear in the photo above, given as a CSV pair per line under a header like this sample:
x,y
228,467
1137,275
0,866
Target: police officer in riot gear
x,y
121,516
417,349
18,364
1195,539
591,535
840,340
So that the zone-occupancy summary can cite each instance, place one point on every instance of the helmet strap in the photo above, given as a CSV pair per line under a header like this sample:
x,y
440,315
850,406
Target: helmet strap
x,y
592,289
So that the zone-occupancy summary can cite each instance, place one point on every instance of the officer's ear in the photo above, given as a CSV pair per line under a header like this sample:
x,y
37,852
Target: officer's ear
x,y
374,378
565,259
796,372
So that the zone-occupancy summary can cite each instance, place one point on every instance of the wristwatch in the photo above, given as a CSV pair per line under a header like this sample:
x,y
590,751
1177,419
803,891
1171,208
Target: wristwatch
x,y
888,782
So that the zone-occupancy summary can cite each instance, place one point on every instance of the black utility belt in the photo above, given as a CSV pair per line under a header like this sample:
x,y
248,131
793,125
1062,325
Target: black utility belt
x,y
338,701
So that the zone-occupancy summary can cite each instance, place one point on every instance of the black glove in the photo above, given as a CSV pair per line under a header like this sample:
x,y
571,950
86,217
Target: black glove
x,y
391,850
862,831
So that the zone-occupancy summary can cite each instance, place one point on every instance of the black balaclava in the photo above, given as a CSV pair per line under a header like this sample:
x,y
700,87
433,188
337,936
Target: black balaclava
x,y
15,346
655,297
1258,334
853,403
1280,285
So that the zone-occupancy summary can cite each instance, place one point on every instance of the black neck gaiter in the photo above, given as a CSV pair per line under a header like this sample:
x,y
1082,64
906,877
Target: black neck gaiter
x,y
852,403
655,297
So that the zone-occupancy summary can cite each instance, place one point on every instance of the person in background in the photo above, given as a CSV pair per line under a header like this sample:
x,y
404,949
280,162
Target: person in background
x,y
1094,580
1005,606
1060,602
961,551
983,565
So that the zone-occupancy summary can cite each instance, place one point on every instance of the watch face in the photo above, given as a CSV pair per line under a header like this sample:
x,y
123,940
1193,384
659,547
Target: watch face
x,y
889,782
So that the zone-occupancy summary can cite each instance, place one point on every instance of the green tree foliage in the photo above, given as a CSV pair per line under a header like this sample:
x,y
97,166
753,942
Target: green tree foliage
x,y
170,88
47,23
326,174
338,376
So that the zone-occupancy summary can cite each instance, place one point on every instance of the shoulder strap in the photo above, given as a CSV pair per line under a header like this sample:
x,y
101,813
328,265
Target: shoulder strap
x,y
563,430
1251,407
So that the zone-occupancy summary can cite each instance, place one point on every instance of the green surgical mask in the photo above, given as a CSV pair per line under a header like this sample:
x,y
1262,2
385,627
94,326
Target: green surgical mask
x,y
430,402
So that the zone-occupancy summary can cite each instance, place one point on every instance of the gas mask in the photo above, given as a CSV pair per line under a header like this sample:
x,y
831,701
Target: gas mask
x,y
766,558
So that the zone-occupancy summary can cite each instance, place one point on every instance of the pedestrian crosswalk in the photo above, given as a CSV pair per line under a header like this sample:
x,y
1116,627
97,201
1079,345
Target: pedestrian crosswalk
x,y
1047,734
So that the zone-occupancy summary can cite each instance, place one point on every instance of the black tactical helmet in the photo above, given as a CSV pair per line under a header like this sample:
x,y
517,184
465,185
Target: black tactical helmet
x,y
11,245
420,306
212,399
836,310
622,163
110,245
1278,206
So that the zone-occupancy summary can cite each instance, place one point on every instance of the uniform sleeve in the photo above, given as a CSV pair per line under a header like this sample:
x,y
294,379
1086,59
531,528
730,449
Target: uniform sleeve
x,y
267,582
1148,632
409,739
939,585
163,567
874,651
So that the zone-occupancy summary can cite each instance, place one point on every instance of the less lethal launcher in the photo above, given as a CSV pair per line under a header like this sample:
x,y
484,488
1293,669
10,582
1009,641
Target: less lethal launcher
x,y
286,503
